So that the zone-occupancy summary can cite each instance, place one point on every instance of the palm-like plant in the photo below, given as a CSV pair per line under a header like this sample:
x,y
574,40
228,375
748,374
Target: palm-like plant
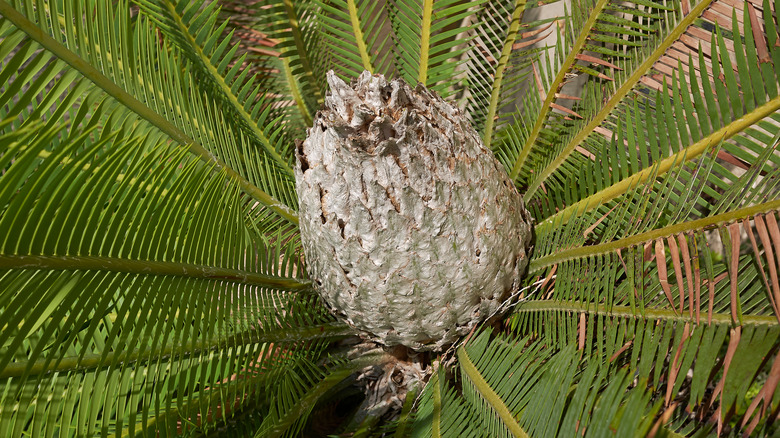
x,y
151,277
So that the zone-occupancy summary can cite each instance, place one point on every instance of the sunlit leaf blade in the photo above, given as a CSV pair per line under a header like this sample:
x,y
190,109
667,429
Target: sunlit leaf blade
x,y
604,43
160,97
132,234
199,38
706,115
137,294
428,48
151,276
358,35
517,387
671,252
296,28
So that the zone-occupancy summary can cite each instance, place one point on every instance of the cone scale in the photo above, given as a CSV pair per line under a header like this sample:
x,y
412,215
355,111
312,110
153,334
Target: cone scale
x,y
412,231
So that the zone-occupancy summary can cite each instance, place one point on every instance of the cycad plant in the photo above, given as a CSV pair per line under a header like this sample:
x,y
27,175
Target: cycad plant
x,y
152,280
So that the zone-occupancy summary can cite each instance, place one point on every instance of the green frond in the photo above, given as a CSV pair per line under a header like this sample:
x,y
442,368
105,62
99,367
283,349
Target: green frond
x,y
655,248
141,290
479,392
272,73
160,98
208,53
442,412
646,259
692,99
600,32
681,362
406,417
297,394
133,233
518,387
491,48
297,29
358,35
626,84
427,47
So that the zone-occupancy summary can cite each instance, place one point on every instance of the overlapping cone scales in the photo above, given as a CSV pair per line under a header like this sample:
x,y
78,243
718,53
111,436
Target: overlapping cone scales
x,y
411,229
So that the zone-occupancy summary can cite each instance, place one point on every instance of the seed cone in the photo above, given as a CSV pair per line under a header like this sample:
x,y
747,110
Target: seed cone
x,y
411,229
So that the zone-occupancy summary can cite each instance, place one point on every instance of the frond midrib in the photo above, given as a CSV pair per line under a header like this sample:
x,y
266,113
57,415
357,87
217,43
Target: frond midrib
x,y
491,397
425,41
436,420
616,98
227,91
670,230
514,27
358,32
330,330
628,312
295,90
541,117
147,267
143,111
295,29
689,153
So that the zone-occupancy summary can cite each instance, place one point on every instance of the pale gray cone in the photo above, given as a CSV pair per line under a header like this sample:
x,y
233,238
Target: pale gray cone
x,y
411,229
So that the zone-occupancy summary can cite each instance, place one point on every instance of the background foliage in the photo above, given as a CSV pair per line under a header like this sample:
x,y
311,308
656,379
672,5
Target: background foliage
x,y
151,278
